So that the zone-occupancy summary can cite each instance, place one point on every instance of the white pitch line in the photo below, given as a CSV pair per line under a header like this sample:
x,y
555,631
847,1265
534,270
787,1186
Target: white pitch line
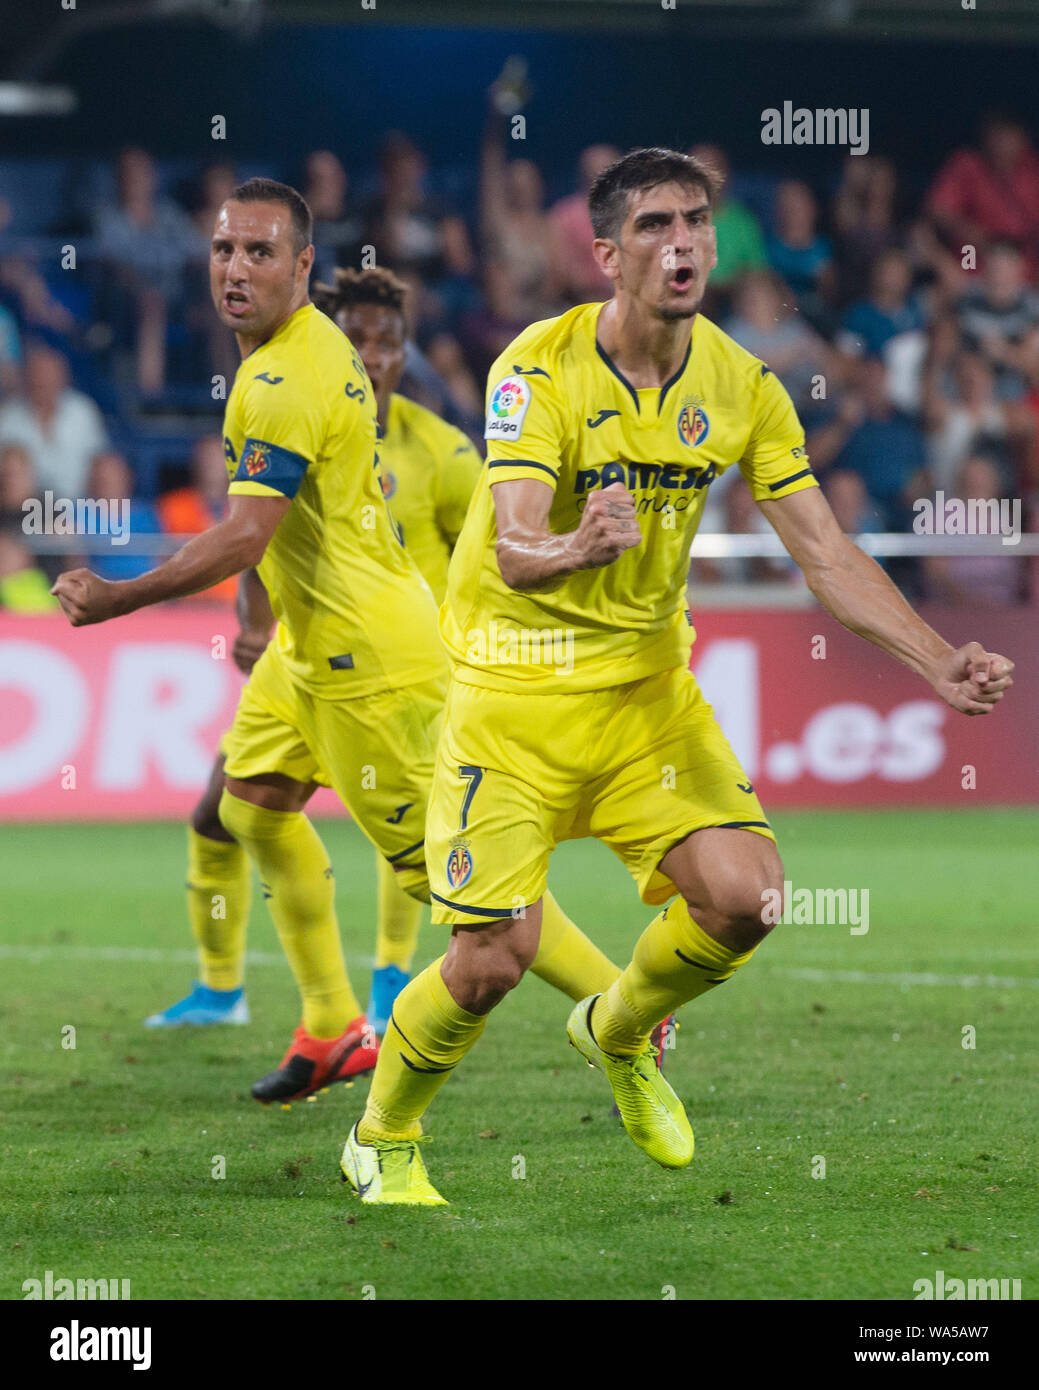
x,y
156,955
871,977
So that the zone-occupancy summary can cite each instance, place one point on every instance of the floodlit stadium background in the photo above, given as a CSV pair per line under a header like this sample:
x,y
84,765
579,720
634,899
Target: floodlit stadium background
x,y
834,267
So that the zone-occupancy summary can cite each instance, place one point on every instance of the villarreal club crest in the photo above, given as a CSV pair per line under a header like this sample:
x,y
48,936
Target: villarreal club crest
x,y
693,424
459,863
257,459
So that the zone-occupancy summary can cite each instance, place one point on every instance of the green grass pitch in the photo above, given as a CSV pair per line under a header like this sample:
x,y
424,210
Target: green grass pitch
x,y
833,1046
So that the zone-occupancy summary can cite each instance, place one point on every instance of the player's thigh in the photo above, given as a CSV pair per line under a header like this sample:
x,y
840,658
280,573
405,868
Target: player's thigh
x,y
267,755
492,818
379,752
672,774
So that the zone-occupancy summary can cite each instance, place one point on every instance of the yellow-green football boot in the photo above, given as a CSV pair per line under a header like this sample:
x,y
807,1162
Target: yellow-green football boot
x,y
389,1172
649,1109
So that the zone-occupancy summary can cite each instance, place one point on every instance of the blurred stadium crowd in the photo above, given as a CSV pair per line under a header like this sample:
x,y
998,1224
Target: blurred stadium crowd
x,y
913,360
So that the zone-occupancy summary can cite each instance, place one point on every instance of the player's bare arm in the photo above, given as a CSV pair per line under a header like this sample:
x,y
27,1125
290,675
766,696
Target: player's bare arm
x,y
255,620
531,556
854,588
231,546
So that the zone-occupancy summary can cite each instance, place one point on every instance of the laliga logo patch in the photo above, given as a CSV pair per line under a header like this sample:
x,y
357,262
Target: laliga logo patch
x,y
257,460
509,397
693,424
510,400
388,482
459,864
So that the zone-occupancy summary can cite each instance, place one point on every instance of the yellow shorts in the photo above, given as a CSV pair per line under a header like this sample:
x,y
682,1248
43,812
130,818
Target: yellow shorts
x,y
377,751
638,766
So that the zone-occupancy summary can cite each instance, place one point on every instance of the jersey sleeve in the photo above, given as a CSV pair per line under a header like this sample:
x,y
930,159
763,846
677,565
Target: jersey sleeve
x,y
458,468
525,424
283,423
775,461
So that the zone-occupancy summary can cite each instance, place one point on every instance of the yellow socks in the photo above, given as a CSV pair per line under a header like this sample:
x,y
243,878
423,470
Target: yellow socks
x,y
219,896
566,958
398,921
297,882
674,961
428,1036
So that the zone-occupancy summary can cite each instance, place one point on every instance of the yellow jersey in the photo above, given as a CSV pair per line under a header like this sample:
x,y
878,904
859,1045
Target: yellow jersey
x,y
561,412
355,616
429,471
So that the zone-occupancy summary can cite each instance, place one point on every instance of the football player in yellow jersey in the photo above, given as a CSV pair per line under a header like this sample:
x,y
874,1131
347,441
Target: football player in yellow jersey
x,y
429,469
572,711
350,690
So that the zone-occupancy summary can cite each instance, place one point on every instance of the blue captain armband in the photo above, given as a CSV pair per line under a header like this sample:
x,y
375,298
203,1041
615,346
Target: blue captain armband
x,y
272,466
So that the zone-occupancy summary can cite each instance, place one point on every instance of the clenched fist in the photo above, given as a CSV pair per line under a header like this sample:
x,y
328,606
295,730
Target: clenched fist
x,y
608,527
973,680
85,597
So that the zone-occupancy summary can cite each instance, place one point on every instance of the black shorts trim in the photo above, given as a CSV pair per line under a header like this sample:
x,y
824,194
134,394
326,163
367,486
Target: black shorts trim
x,y
402,854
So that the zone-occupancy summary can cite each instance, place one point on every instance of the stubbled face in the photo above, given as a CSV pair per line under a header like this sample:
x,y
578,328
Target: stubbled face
x,y
377,332
665,251
256,277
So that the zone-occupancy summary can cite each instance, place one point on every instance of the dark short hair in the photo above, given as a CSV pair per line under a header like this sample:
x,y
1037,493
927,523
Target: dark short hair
x,y
375,285
637,171
271,191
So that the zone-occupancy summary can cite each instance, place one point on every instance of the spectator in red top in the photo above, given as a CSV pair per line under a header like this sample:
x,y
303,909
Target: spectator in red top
x,y
577,271
992,193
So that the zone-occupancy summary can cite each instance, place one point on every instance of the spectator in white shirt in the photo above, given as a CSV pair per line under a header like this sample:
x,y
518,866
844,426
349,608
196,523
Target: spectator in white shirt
x,y
59,427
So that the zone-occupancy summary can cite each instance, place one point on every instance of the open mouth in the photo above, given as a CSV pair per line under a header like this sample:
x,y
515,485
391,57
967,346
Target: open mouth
x,y
682,278
235,302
